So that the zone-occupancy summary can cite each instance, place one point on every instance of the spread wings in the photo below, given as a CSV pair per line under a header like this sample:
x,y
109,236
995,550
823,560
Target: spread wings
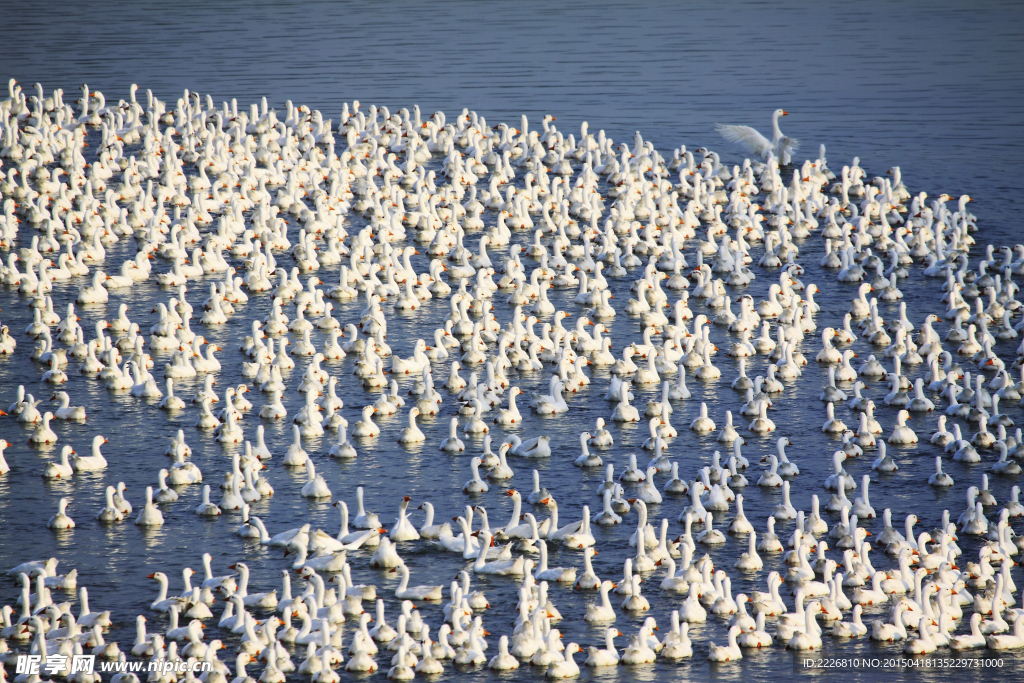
x,y
746,136
786,148
758,144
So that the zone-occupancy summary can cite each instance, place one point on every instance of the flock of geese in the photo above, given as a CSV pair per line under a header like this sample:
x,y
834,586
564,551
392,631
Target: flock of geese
x,y
322,219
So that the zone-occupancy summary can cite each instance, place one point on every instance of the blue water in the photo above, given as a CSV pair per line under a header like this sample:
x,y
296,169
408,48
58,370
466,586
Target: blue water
x,y
930,87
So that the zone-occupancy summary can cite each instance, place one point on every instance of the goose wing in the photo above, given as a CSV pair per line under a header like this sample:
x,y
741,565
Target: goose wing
x,y
746,136
786,148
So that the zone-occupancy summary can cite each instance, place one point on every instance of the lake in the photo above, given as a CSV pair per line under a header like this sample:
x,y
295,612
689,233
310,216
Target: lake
x,y
933,87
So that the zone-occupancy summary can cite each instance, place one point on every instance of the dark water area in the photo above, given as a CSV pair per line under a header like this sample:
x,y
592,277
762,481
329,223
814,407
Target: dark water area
x,y
935,88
